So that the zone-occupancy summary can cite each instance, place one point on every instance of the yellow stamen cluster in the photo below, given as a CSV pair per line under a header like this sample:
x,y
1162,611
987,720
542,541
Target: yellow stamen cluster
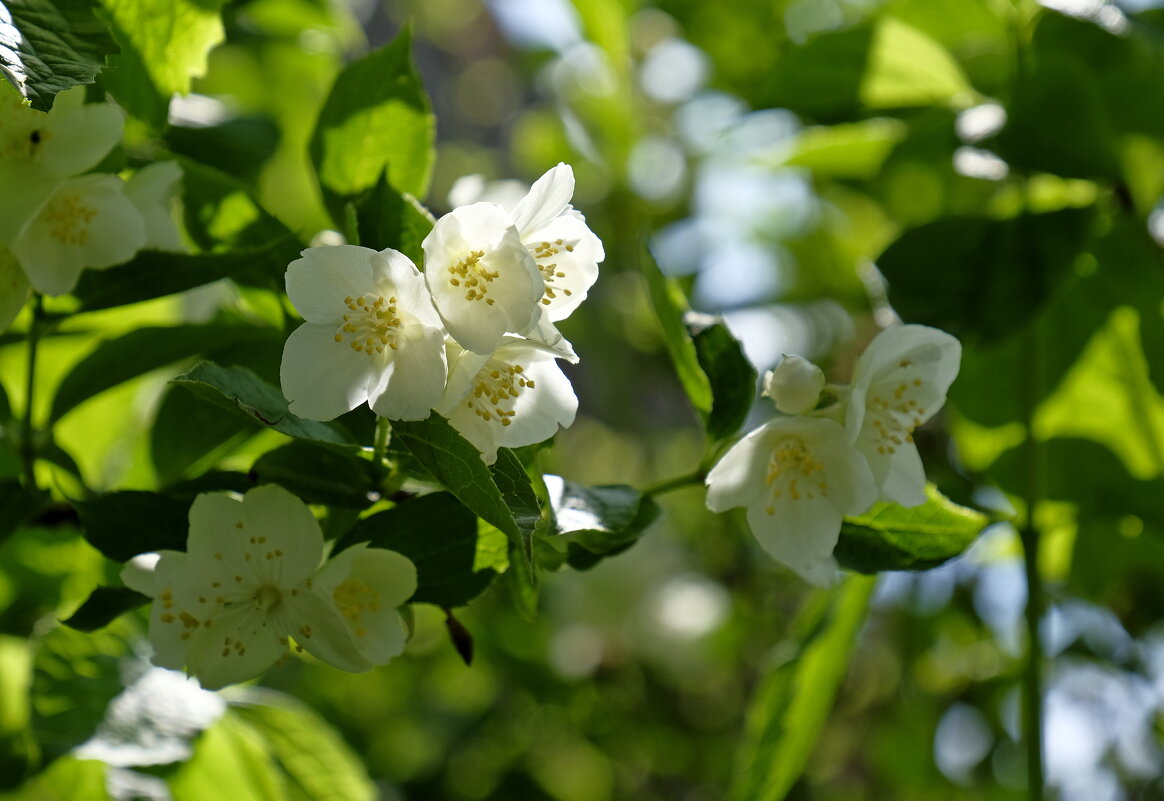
x,y
790,464
353,597
475,277
372,324
68,218
497,386
544,251
892,413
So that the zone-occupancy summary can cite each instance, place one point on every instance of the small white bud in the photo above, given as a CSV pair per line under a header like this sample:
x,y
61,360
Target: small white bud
x,y
794,384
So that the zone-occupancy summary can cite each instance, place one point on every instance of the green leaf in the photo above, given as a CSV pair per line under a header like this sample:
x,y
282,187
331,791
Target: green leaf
x,y
136,353
794,697
48,46
670,305
994,275
190,435
103,606
850,150
598,521
123,524
221,214
518,493
320,474
67,779
239,147
387,219
231,761
238,389
154,274
164,44
376,119
457,465
892,537
311,752
16,506
731,376
439,534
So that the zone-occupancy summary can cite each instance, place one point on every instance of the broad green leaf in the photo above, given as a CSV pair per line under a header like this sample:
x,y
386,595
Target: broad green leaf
x,y
907,68
123,524
5,406
190,435
239,147
75,676
376,119
320,474
793,699
850,150
731,376
457,465
311,752
104,605
892,537
439,534
670,305
47,46
598,521
387,219
238,389
67,779
136,353
231,761
993,275
154,274
164,44
221,214
16,506
517,491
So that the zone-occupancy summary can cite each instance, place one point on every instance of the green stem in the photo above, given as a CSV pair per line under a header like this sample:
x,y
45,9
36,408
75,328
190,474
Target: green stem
x,y
1029,534
28,440
667,485
383,429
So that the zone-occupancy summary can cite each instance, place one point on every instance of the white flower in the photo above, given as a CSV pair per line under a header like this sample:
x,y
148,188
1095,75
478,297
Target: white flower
x,y
899,382
516,396
566,251
483,281
86,222
38,150
153,189
247,585
797,476
372,335
794,384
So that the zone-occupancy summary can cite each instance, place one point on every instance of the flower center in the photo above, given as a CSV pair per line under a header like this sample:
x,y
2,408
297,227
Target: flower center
x,y
371,324
267,597
68,217
542,253
495,389
894,411
354,597
475,277
790,465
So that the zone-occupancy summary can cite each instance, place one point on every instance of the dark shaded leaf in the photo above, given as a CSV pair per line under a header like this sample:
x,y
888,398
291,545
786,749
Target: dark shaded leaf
x,y
387,219
731,376
104,605
461,638
123,524
16,506
320,474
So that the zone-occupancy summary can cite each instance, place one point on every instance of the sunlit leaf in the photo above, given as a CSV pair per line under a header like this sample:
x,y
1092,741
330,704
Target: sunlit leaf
x,y
598,521
231,760
849,150
792,701
67,779
376,119
892,537
670,305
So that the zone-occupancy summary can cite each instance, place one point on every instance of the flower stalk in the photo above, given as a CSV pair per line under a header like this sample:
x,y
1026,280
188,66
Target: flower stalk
x,y
28,438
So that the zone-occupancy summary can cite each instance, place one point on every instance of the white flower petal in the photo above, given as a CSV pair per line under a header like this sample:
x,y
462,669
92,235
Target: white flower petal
x,y
416,380
367,585
737,478
152,190
320,282
239,644
546,335
567,253
317,625
281,535
900,474
175,591
26,189
88,222
801,536
14,288
482,280
217,547
794,384
547,198
322,378
76,138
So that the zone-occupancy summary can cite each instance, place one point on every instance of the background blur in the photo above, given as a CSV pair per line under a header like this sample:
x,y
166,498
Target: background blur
x,y
698,127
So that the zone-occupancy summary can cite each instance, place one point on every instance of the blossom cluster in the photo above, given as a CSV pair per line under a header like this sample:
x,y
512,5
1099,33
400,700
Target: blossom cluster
x,y
474,336
58,216
250,586
800,473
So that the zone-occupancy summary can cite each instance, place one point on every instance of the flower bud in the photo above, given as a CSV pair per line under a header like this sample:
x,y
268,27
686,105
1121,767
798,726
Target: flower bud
x,y
794,384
